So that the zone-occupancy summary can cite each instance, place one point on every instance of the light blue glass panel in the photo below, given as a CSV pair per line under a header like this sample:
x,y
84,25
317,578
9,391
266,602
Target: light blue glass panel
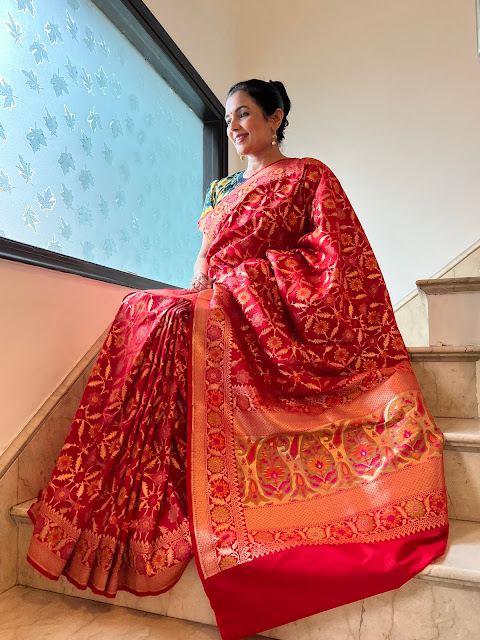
x,y
99,158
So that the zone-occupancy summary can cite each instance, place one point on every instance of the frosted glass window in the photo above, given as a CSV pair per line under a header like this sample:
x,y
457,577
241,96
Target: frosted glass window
x,y
99,158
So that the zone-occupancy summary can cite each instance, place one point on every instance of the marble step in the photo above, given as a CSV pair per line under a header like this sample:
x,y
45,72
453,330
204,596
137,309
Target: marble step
x,y
32,614
449,378
453,310
431,592
418,610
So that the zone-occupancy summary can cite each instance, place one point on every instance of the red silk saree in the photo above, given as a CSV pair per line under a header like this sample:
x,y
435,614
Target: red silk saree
x,y
273,424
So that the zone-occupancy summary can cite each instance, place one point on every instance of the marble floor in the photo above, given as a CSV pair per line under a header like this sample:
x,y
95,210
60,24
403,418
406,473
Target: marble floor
x,y
31,614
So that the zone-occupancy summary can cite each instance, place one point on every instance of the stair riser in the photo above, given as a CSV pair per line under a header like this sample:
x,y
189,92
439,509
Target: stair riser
x,y
450,387
423,605
462,477
454,318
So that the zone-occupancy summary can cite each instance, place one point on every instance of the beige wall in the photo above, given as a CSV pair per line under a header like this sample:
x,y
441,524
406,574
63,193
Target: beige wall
x,y
208,32
388,95
49,320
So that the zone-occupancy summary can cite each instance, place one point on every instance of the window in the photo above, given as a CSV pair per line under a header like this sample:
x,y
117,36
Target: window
x,y
108,140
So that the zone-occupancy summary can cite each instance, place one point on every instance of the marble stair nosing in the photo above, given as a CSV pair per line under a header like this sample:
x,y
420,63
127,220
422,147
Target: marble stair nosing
x,y
440,286
460,433
19,511
444,353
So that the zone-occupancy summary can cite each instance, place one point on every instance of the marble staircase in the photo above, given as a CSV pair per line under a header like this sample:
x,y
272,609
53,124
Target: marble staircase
x,y
450,380
443,602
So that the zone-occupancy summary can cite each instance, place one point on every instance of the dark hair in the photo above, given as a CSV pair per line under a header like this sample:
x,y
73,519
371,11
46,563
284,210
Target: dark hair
x,y
269,96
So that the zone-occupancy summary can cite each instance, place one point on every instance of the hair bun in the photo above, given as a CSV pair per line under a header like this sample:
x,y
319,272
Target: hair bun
x,y
280,87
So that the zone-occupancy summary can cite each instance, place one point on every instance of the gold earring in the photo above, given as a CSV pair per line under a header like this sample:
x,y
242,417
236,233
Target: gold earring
x,y
274,139
242,158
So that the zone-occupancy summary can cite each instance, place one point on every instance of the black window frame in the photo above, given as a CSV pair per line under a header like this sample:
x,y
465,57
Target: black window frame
x,y
164,55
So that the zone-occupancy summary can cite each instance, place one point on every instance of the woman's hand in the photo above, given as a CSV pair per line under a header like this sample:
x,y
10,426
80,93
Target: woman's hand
x,y
200,282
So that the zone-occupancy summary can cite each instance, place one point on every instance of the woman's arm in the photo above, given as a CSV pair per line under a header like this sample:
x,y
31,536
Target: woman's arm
x,y
201,281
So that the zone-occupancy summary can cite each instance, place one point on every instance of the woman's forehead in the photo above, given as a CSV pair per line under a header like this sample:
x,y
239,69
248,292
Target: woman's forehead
x,y
238,99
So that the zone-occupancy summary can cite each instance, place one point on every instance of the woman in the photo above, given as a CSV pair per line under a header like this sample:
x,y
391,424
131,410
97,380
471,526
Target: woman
x,y
315,471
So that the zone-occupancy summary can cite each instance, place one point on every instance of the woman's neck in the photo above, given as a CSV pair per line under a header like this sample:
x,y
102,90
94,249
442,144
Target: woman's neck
x,y
255,163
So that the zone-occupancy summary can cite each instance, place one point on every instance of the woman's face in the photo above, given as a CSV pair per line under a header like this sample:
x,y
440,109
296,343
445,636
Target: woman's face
x,y
247,127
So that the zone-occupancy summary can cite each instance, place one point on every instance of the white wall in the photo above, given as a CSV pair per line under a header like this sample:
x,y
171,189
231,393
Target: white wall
x,y
388,95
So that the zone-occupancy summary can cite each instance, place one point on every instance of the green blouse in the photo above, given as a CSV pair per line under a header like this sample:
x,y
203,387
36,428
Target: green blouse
x,y
219,189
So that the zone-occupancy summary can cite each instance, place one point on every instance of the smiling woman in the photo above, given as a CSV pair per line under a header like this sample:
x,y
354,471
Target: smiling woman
x,y
256,129
256,116
267,420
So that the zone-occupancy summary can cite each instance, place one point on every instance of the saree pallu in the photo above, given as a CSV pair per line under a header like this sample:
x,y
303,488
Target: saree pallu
x,y
315,472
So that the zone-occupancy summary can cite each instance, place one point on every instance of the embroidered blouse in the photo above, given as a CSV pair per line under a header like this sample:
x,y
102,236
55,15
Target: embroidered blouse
x,y
219,189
